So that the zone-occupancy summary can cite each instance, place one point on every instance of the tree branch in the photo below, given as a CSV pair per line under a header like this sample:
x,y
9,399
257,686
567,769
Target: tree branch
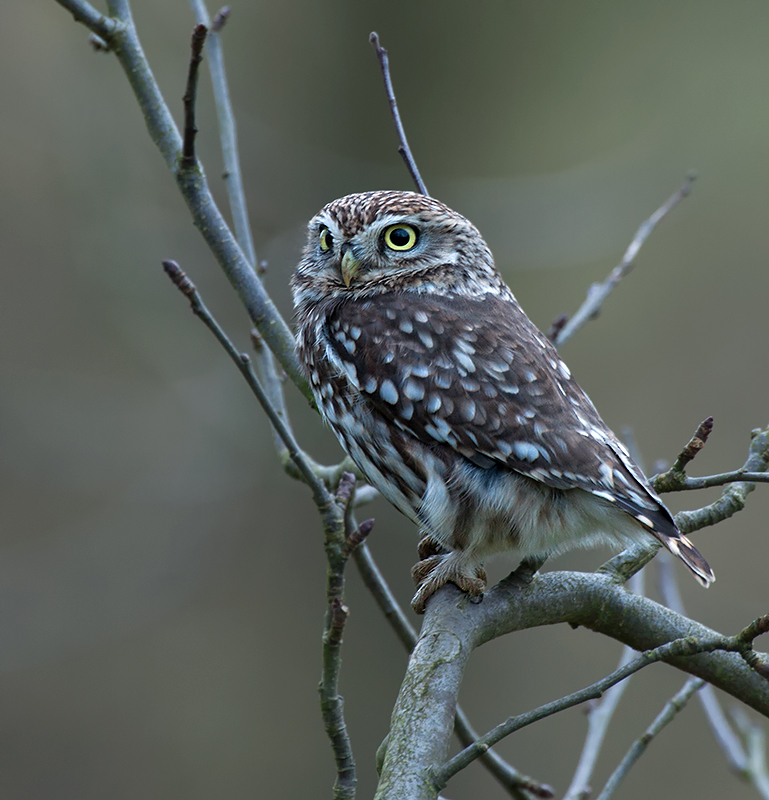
x,y
753,768
190,95
670,709
679,647
514,781
453,627
599,717
227,128
564,329
243,362
85,13
124,42
403,148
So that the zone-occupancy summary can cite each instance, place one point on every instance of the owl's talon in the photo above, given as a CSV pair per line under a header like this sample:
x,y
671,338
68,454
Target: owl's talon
x,y
437,570
429,547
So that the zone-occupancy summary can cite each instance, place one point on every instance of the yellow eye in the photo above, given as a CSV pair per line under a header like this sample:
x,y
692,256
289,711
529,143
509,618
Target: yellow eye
x,y
400,237
326,240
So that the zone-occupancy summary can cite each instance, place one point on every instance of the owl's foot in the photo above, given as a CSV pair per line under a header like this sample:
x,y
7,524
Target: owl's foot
x,y
434,571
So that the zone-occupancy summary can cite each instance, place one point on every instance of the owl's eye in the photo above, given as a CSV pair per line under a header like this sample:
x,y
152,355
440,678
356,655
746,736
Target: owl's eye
x,y
325,239
400,237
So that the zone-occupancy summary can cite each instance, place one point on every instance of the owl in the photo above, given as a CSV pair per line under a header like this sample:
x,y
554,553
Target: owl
x,y
452,403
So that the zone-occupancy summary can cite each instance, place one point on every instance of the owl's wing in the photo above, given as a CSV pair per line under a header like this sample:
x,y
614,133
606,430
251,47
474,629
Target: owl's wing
x,y
474,374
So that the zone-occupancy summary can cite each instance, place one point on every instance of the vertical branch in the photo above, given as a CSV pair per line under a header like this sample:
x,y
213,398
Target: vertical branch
x,y
403,147
190,95
227,128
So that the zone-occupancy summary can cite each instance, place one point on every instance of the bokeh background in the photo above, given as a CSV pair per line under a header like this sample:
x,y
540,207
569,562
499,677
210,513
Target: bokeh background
x,y
161,580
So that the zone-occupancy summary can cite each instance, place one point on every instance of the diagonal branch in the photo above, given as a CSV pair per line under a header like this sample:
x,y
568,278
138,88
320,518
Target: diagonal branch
x,y
403,147
565,328
670,709
243,362
751,768
677,648
453,627
123,40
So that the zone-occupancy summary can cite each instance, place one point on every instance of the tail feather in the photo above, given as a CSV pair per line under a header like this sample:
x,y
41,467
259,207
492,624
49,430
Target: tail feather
x,y
681,547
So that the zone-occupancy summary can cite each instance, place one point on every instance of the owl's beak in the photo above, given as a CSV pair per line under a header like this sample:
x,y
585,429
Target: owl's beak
x,y
349,268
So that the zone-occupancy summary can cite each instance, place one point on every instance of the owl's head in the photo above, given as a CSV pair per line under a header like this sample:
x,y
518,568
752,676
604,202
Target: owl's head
x,y
373,242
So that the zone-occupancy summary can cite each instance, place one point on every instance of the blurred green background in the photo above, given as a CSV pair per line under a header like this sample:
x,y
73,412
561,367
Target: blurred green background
x,y
161,580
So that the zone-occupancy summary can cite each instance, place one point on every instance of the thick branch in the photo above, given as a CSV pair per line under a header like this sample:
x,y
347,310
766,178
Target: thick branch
x,y
453,627
85,13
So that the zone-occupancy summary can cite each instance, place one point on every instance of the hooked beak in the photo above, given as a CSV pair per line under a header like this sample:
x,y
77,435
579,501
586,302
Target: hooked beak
x,y
349,268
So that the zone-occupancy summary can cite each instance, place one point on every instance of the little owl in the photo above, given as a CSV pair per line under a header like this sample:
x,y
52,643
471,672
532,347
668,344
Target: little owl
x,y
452,403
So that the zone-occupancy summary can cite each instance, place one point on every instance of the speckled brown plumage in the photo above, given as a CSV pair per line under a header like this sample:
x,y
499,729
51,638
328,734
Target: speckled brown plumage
x,y
452,402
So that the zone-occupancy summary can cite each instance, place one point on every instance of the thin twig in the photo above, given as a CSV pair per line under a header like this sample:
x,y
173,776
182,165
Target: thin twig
x,y
243,363
599,717
342,537
220,19
403,147
733,497
678,648
694,445
755,742
123,39
227,128
190,95
725,736
671,708
598,292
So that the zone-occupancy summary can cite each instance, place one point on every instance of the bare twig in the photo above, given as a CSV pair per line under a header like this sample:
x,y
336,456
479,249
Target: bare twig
x,y
599,717
220,19
598,292
227,128
403,147
725,736
678,648
694,445
733,497
243,362
671,708
342,537
755,743
688,484
120,34
190,95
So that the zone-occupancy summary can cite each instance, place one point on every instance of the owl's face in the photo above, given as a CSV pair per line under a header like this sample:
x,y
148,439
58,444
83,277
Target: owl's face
x,y
367,243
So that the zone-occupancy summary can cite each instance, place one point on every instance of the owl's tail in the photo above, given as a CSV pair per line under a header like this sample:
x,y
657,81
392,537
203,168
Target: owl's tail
x,y
681,547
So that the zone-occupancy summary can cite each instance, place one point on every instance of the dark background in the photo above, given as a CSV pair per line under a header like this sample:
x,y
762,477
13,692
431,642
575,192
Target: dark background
x,y
161,580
